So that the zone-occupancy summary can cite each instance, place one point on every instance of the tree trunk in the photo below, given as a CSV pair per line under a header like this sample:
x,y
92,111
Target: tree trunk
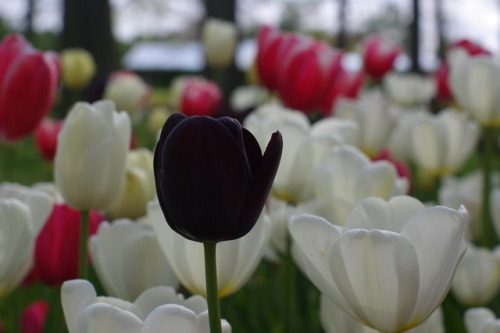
x,y
440,20
342,34
415,38
28,30
87,24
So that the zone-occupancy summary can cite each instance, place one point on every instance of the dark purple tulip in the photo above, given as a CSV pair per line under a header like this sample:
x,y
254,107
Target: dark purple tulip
x,y
211,177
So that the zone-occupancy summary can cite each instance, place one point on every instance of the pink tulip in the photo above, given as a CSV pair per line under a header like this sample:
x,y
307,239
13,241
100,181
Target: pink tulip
x,y
33,317
307,74
379,56
29,80
199,97
56,250
472,48
46,137
273,46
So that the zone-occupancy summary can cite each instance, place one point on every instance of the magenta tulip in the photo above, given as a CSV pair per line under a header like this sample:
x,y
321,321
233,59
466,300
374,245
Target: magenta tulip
x,y
379,56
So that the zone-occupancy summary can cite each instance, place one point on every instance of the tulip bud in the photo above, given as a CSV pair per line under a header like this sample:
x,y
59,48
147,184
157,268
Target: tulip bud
x,y
379,56
77,68
46,137
28,87
219,40
91,154
34,316
211,178
194,96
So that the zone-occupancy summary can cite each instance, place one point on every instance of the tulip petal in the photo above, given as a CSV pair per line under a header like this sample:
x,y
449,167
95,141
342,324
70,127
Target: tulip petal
x,y
76,295
105,318
377,273
177,318
444,229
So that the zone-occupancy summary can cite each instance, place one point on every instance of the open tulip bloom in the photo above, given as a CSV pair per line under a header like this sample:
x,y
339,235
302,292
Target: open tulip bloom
x,y
391,265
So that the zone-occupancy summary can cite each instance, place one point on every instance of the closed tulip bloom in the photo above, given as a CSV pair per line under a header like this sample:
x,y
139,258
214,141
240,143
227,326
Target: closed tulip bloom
x,y
155,310
211,177
46,137
56,249
408,89
379,56
236,259
128,259
90,160
374,117
442,143
219,39
34,316
391,266
129,92
23,212
139,188
335,320
475,83
29,85
481,320
477,278
361,178
77,68
194,96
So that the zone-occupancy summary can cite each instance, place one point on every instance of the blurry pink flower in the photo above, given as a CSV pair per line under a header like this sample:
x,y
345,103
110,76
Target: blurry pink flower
x,y
195,96
379,56
29,80
33,317
46,137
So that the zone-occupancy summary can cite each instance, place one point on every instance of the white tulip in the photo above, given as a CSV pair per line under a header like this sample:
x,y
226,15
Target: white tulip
x,y
477,278
346,176
481,320
246,97
219,39
304,146
475,82
236,259
139,186
407,89
334,320
90,160
399,142
375,119
391,266
154,310
23,212
128,259
441,144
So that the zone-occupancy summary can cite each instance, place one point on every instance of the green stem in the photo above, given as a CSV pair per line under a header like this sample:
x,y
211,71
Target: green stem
x,y
289,283
82,259
488,234
212,289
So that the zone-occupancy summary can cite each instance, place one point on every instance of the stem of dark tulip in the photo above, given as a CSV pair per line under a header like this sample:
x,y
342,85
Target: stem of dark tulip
x,y
212,288
488,233
83,272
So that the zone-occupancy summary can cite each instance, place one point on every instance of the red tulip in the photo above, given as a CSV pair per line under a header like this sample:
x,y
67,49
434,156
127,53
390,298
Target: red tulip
x,y
273,46
33,317
443,91
46,137
472,48
379,56
307,74
56,250
28,87
347,84
199,97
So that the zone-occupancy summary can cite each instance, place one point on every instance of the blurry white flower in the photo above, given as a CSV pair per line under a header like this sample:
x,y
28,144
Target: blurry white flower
x,y
375,119
156,308
481,320
23,212
346,176
128,259
442,143
408,89
303,146
391,266
475,82
246,97
219,39
477,278
236,259
91,154
400,142
139,186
